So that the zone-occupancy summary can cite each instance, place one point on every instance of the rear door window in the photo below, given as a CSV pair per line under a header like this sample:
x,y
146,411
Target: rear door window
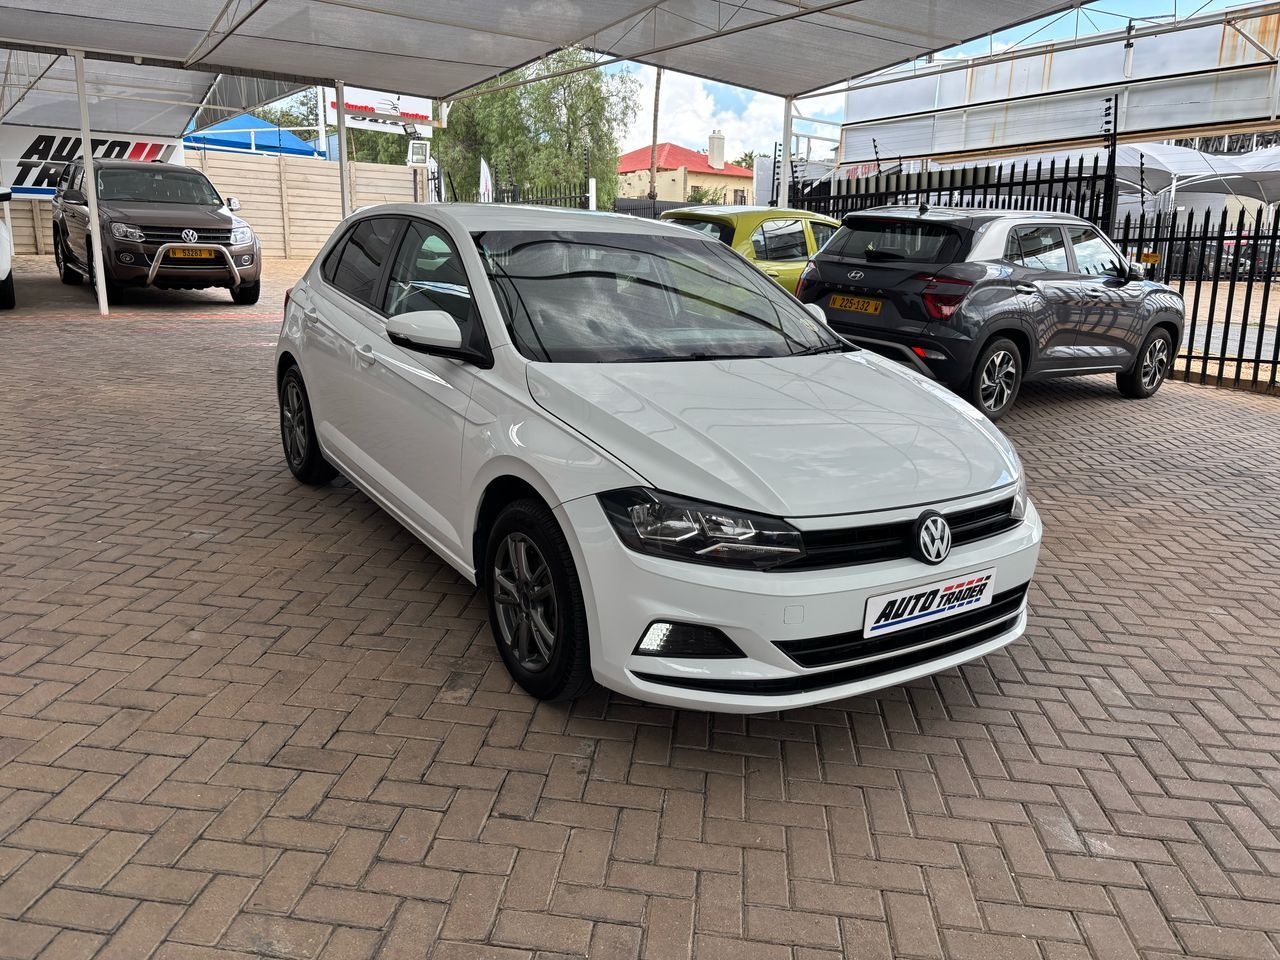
x,y
822,232
1038,248
905,241
360,263
780,240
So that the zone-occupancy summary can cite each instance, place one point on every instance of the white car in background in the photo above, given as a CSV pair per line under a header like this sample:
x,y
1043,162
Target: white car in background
x,y
667,473
7,297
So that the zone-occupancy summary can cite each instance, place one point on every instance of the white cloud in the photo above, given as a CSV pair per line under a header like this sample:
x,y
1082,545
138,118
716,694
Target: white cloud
x,y
690,110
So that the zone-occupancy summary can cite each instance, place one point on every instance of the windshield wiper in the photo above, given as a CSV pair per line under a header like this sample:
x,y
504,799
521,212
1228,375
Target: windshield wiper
x,y
824,348
686,357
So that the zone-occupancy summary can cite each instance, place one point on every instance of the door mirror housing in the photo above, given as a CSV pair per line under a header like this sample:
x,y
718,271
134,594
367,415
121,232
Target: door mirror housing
x,y
233,204
434,332
1135,271
73,196
816,311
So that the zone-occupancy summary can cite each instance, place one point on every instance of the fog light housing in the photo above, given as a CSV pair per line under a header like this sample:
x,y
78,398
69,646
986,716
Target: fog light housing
x,y
663,639
126,257
246,259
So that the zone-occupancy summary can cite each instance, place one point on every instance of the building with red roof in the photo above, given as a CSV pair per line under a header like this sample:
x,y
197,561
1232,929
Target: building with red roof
x,y
680,170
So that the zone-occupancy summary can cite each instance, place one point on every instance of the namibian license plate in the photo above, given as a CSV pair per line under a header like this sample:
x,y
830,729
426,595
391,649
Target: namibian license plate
x,y
918,606
856,304
191,253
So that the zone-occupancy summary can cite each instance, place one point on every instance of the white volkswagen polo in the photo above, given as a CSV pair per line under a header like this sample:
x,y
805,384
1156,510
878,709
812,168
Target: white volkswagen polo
x,y
668,475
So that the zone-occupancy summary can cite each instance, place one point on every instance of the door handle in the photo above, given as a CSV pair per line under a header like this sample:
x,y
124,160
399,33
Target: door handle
x,y
772,273
310,314
1026,288
365,354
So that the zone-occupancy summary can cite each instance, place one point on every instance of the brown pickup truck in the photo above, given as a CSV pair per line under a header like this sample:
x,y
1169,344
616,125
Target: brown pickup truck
x,y
163,225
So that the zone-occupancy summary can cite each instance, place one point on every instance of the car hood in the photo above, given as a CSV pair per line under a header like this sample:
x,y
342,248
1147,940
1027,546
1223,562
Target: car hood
x,y
796,436
192,215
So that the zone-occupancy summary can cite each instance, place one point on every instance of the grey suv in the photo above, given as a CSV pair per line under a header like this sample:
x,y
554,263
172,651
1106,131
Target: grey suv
x,y
984,300
163,225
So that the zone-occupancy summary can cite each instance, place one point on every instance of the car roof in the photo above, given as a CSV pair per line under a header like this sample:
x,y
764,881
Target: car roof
x,y
730,210
970,215
479,217
133,164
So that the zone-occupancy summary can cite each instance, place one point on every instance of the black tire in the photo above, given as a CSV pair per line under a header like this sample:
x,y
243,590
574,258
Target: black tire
x,y
114,289
564,673
1150,369
996,379
8,298
247,293
298,432
66,273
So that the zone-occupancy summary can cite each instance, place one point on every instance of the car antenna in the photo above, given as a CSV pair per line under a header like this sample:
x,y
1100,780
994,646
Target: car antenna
x,y
924,208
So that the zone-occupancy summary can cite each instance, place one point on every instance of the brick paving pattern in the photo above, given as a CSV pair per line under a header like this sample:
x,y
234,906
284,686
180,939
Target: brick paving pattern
x,y
243,718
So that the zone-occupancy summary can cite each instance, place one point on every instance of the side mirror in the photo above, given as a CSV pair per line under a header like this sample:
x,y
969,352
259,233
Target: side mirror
x,y
233,204
1136,271
816,312
5,194
74,196
427,331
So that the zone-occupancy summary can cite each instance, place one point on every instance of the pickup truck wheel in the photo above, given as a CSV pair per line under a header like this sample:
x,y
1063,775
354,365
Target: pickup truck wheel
x,y
66,273
8,300
247,293
113,288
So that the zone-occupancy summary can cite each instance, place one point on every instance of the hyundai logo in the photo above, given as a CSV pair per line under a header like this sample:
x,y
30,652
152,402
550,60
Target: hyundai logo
x,y
190,236
932,537
856,274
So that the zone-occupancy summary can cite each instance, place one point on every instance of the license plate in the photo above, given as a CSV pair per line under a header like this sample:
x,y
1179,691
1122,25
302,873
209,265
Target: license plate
x,y
857,304
918,606
191,253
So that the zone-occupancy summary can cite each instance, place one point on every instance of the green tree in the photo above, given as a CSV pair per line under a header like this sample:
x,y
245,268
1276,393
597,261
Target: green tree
x,y
748,159
707,195
544,135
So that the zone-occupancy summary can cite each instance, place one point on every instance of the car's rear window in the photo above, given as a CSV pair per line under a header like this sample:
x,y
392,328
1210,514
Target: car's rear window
x,y
907,241
720,231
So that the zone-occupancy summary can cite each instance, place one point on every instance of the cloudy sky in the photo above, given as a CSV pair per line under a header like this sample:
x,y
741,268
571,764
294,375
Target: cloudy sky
x,y
692,108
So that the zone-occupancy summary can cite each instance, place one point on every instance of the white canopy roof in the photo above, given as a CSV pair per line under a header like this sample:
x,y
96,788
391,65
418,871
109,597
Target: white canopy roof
x,y
439,48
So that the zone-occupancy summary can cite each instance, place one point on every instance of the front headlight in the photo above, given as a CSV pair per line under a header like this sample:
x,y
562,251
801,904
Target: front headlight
x,y
241,236
668,526
127,231
1019,510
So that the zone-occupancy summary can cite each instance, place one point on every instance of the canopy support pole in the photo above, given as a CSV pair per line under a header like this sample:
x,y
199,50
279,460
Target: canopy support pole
x,y
784,174
90,185
340,95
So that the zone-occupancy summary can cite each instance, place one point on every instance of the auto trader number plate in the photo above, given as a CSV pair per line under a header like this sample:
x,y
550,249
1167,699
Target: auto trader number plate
x,y
856,304
890,612
191,253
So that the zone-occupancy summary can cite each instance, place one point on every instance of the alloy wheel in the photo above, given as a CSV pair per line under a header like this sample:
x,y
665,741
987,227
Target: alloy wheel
x,y
999,377
1155,363
526,602
293,423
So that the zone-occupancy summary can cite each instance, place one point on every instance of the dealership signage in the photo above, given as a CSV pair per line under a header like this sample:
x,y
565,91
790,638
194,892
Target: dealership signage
x,y
32,158
388,112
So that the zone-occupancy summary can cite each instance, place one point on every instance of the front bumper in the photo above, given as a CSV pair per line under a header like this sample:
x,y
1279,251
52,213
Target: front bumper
x,y
626,591
132,263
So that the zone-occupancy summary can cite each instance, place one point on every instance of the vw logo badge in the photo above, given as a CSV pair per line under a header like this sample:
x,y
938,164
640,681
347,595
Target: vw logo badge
x,y
856,274
190,236
932,537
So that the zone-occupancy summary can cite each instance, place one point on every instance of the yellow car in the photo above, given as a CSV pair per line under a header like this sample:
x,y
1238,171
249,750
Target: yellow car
x,y
779,242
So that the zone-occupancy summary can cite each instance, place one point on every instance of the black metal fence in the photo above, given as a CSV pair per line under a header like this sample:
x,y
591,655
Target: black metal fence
x,y
1224,268
644,207
576,195
1084,188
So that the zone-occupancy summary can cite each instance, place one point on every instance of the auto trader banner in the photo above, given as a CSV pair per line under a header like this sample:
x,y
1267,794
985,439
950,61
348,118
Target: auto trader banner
x,y
32,158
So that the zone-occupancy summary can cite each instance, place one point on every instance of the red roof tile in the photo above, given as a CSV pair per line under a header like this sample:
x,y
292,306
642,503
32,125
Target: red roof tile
x,y
672,156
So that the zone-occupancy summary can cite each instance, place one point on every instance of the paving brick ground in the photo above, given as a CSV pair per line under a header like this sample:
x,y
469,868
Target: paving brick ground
x,y
243,718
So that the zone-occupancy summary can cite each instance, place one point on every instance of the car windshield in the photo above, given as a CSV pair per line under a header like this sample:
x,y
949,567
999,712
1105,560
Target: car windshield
x,y
909,241
157,185
597,297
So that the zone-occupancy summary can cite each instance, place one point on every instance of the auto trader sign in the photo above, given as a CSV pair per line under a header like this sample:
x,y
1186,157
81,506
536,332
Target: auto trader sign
x,y
32,158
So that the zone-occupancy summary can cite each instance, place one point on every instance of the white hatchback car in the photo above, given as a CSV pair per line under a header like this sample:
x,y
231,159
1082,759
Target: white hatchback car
x,y
667,473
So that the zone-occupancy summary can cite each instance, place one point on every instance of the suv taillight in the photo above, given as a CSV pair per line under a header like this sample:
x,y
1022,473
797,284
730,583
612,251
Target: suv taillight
x,y
942,296
808,276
